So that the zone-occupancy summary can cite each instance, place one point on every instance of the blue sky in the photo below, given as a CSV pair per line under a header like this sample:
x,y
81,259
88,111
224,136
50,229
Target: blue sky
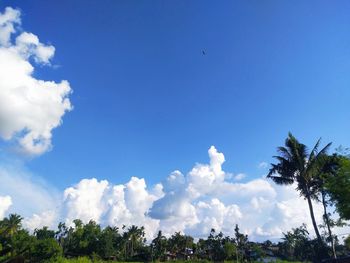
x,y
147,101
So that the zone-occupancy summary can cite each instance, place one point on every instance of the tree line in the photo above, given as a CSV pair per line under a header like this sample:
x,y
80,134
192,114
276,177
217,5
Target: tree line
x,y
318,176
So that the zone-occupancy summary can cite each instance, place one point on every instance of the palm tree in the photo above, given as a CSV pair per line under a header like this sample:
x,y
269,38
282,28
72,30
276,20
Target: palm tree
x,y
10,226
296,165
135,236
159,246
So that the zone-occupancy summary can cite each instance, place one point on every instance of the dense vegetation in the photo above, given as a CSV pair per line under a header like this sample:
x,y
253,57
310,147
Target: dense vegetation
x,y
128,244
319,177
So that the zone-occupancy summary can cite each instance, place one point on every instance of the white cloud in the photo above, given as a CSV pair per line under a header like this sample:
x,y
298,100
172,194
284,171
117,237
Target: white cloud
x,y
30,108
5,203
110,204
45,218
85,200
289,212
214,214
202,199
8,19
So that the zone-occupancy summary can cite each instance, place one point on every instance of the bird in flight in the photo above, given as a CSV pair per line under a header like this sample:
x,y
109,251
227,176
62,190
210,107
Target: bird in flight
x,y
203,52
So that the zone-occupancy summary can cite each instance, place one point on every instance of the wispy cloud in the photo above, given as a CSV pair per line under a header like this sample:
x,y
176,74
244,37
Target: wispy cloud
x,y
263,165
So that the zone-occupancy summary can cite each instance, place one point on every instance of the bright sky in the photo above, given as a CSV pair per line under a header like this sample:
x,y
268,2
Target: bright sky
x,y
147,101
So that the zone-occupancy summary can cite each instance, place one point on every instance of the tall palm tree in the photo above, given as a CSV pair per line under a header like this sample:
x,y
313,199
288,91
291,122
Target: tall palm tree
x,y
296,165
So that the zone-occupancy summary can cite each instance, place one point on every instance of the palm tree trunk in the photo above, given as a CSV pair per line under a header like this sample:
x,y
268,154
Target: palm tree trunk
x,y
327,223
313,218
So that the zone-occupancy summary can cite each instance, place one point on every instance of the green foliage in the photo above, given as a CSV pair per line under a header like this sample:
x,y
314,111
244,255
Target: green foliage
x,y
109,242
44,233
229,250
338,187
296,245
159,247
46,250
347,242
178,243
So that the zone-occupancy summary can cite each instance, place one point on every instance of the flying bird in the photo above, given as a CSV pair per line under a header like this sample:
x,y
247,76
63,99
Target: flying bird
x,y
203,52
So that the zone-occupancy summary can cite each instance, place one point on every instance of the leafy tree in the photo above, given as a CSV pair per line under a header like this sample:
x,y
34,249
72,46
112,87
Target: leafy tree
x,y
22,244
44,233
296,244
201,249
109,243
10,235
229,249
180,244
134,239
90,238
338,187
45,250
10,225
296,165
215,246
347,242
82,239
241,241
257,251
61,234
158,246
327,168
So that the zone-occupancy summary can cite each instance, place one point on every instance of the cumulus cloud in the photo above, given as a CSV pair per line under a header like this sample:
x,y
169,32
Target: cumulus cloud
x,y
30,108
5,203
192,203
203,199
110,204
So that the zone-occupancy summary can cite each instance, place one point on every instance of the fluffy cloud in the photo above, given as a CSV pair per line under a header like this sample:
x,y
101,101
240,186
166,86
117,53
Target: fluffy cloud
x,y
45,218
5,203
30,108
110,204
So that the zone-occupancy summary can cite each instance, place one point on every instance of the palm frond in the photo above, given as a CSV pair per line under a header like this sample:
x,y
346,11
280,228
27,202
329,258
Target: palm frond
x,y
284,152
314,150
281,180
318,161
297,150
